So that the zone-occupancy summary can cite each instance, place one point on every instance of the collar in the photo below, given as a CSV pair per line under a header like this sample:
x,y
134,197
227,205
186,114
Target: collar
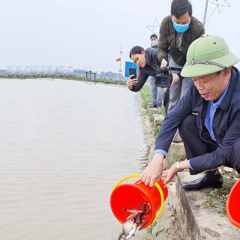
x,y
217,104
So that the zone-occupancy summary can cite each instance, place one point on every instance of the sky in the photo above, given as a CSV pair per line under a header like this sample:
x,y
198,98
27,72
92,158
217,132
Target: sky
x,y
89,34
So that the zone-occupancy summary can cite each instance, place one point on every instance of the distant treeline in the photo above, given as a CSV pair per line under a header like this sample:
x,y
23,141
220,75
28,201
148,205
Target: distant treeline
x,y
58,72
76,78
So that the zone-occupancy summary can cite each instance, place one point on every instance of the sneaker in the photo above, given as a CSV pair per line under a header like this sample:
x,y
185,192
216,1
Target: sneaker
x,y
177,138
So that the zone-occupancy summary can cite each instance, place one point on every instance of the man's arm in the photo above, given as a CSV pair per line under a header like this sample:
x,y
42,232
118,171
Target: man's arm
x,y
163,43
220,155
153,171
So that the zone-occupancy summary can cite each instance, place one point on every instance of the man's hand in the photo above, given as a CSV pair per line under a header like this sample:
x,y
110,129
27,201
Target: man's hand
x,y
164,89
169,174
153,171
164,63
175,79
131,82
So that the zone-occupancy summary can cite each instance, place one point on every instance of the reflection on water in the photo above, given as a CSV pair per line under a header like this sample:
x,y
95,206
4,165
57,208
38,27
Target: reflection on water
x,y
64,145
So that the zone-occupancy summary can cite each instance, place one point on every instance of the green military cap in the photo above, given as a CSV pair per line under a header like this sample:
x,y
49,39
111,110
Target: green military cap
x,y
208,54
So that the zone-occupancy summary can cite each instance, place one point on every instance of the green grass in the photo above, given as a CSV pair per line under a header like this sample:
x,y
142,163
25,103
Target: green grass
x,y
217,197
146,97
222,193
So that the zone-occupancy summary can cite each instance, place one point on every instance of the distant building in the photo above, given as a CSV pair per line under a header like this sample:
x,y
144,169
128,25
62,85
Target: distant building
x,y
90,75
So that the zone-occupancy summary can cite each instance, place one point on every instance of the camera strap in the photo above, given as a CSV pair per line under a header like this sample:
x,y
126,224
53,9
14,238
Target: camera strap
x,y
176,69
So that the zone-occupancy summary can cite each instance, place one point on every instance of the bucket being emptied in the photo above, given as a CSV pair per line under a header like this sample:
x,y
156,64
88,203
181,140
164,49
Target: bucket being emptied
x,y
233,206
132,195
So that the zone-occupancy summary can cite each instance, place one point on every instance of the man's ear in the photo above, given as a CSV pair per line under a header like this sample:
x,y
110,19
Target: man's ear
x,y
227,71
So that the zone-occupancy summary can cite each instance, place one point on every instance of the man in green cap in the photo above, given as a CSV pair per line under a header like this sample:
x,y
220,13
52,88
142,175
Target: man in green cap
x,y
208,117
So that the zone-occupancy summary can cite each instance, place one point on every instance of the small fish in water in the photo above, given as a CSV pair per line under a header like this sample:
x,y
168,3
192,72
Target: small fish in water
x,y
134,220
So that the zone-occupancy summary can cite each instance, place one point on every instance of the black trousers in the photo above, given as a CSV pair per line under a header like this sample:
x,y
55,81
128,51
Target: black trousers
x,y
195,146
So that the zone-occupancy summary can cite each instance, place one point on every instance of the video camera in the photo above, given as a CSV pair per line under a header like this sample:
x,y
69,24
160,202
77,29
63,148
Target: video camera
x,y
163,76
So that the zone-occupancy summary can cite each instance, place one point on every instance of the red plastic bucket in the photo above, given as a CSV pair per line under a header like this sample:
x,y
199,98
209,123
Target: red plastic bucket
x,y
132,195
233,206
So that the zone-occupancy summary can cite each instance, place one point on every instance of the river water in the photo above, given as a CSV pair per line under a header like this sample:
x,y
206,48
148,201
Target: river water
x,y
63,146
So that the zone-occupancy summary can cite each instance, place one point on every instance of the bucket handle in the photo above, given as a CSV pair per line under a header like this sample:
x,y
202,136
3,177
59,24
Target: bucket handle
x,y
157,186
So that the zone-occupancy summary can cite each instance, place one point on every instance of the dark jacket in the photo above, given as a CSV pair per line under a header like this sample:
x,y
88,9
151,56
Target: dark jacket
x,y
226,125
148,70
167,40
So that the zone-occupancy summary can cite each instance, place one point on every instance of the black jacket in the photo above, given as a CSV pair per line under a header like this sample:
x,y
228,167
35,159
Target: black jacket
x,y
148,70
226,125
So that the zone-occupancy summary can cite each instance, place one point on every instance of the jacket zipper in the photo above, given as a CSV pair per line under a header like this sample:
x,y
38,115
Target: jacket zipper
x,y
201,129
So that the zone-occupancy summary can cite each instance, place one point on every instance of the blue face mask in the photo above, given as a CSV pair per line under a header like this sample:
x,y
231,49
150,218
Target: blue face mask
x,y
180,28
154,44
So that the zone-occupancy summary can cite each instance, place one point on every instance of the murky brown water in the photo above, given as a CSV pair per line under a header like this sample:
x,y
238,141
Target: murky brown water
x,y
63,146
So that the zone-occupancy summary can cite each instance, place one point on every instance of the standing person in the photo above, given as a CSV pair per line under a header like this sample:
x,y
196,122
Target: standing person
x,y
156,92
177,32
208,117
154,40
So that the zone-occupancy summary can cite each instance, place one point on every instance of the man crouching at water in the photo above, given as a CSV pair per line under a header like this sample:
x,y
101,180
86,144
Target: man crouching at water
x,y
208,117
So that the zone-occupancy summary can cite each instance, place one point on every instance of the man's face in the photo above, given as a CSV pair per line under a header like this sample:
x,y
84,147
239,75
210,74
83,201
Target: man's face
x,y
139,59
183,20
153,39
212,86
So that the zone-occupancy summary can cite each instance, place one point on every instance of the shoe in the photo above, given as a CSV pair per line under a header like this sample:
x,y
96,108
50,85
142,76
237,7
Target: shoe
x,y
177,137
153,106
211,179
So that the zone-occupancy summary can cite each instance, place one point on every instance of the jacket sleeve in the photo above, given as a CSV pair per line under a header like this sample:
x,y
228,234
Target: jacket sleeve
x,y
220,156
141,81
201,31
163,43
198,30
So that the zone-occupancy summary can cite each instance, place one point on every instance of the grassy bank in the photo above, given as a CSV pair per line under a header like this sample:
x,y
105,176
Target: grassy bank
x,y
146,100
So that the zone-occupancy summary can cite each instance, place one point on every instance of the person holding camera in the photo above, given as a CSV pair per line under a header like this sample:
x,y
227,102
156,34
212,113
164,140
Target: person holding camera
x,y
208,118
147,62
177,32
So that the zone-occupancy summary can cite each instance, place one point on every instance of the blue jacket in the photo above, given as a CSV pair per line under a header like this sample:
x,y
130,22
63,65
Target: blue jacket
x,y
148,70
226,125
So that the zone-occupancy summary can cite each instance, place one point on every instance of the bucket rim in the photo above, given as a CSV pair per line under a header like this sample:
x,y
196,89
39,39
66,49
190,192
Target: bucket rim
x,y
155,184
233,221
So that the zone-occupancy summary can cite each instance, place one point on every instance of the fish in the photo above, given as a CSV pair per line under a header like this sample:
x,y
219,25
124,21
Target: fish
x,y
129,228
128,231
134,221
